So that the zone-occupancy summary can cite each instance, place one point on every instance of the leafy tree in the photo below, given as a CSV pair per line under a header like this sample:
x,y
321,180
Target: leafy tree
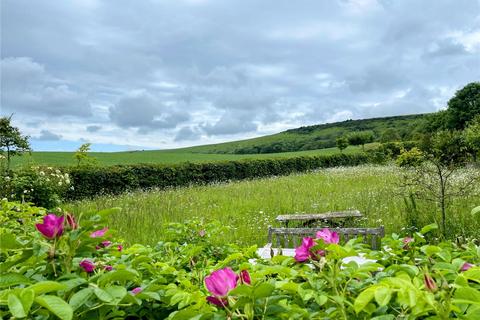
x,y
12,142
472,137
389,135
342,143
360,138
82,157
464,106
429,172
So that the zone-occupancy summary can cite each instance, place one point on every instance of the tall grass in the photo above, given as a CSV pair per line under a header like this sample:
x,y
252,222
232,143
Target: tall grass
x,y
248,207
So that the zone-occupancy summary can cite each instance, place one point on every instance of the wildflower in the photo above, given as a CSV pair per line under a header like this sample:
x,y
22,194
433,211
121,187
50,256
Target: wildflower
x,y
52,226
328,236
219,283
430,284
136,290
303,253
406,241
120,248
99,233
108,268
87,265
106,243
71,221
466,266
244,277
202,233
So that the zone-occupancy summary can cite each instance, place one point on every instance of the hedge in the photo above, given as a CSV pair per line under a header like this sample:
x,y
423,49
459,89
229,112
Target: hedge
x,y
93,181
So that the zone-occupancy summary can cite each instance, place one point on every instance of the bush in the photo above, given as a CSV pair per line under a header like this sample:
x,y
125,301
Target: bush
x,y
92,181
83,271
44,186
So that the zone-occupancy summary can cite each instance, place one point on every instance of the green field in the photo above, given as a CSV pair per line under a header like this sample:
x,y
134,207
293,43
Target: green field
x,y
250,206
157,156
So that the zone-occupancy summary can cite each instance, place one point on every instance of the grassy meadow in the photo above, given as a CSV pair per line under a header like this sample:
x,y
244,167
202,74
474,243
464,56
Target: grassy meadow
x,y
248,207
158,156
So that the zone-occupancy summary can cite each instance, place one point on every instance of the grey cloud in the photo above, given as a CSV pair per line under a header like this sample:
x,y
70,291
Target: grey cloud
x,y
46,135
28,88
187,134
146,112
231,122
93,128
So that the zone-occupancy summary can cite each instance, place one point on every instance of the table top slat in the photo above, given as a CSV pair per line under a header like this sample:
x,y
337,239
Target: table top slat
x,y
320,216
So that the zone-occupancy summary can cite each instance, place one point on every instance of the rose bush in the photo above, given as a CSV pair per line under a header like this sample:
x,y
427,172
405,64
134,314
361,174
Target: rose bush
x,y
72,268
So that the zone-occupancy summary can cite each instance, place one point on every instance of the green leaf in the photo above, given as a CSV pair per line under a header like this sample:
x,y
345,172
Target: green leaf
x,y
117,275
80,298
12,279
56,305
47,286
383,295
27,296
241,290
15,306
473,274
73,283
429,228
467,295
263,290
117,292
8,241
363,299
103,295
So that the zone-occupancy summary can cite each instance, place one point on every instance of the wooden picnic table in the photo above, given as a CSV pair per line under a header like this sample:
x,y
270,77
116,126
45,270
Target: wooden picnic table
x,y
308,219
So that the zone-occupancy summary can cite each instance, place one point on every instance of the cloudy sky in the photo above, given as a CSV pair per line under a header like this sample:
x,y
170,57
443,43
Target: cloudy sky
x,y
163,74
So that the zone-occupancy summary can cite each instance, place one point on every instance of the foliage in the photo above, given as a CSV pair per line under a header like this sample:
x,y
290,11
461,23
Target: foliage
x,y
45,186
464,106
360,138
78,276
342,143
11,140
94,181
82,157
429,173
472,137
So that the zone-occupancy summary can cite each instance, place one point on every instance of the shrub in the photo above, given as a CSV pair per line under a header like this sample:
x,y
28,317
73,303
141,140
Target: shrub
x,y
92,181
44,186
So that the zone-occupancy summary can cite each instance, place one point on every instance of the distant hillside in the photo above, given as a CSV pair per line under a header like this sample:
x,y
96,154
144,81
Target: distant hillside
x,y
320,136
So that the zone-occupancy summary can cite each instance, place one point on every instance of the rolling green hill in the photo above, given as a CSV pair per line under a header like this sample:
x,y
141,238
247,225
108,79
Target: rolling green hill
x,y
317,136
303,141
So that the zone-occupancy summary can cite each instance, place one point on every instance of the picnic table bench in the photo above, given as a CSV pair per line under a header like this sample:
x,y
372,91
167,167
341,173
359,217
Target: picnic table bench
x,y
284,239
308,219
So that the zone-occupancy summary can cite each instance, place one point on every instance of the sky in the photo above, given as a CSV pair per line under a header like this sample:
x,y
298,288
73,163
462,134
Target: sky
x,y
126,75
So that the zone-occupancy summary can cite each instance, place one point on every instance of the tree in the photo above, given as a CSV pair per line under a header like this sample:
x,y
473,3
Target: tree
x,y
472,137
342,143
82,157
464,106
389,135
429,172
12,142
360,138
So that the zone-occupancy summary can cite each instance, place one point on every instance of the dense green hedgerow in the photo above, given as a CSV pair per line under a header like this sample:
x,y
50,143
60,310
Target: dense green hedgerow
x,y
92,181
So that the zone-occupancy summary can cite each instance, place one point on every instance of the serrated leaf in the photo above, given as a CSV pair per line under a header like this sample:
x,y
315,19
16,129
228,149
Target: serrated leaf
x,y
363,299
473,274
15,306
263,290
47,286
383,295
117,293
103,295
26,297
117,275
12,279
56,305
80,298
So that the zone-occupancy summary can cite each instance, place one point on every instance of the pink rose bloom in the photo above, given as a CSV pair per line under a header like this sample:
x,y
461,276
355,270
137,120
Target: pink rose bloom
x,y
136,290
108,268
106,243
303,253
219,283
120,248
87,265
99,233
71,221
429,283
52,226
466,266
244,277
328,236
406,241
